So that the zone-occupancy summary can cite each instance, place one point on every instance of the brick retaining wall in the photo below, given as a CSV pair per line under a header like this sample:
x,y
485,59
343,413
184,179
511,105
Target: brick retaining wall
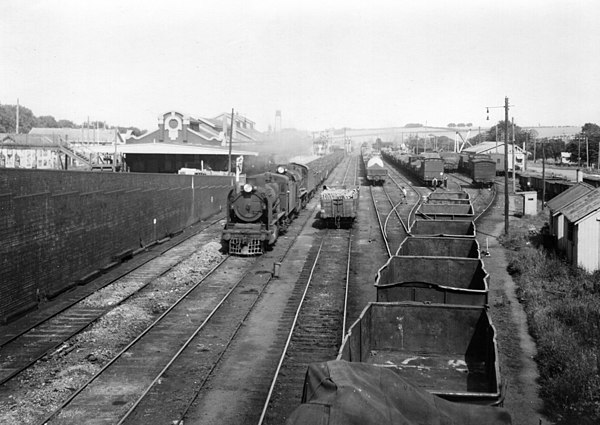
x,y
56,227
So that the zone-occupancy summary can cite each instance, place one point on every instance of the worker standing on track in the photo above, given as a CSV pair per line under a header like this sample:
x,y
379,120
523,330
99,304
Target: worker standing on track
x,y
404,194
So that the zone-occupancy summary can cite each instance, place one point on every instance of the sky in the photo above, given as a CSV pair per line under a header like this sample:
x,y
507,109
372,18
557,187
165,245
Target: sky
x,y
323,64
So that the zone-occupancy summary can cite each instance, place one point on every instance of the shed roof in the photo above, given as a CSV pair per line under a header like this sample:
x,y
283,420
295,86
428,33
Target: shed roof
x,y
177,149
75,134
491,147
582,207
26,141
559,202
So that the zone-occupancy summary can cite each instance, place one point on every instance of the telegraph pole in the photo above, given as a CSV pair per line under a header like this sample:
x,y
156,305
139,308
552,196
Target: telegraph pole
x,y
506,229
587,153
230,142
513,155
544,174
17,123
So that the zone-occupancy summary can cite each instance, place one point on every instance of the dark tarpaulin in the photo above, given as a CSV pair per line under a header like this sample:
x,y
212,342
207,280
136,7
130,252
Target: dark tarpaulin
x,y
346,393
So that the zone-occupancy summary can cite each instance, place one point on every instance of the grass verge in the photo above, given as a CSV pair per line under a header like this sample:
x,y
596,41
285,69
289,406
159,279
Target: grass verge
x,y
562,304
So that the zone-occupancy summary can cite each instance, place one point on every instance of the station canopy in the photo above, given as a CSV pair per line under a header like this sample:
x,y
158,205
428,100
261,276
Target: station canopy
x,y
171,149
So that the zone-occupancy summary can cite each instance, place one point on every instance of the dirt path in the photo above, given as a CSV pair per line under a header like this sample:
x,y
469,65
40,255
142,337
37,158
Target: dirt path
x,y
515,345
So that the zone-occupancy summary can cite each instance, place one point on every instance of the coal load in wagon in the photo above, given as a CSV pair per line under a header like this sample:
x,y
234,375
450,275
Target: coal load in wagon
x,y
448,228
347,393
448,350
439,247
443,280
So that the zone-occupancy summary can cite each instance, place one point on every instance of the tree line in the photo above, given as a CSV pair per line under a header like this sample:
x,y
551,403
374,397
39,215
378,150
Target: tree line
x,y
583,147
27,121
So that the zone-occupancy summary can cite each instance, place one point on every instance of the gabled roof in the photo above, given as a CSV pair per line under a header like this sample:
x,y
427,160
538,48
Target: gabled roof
x,y
239,117
559,202
582,207
205,133
491,147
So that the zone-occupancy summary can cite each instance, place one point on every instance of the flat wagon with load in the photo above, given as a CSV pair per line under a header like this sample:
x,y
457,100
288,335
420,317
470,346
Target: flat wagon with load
x,y
339,205
449,350
442,280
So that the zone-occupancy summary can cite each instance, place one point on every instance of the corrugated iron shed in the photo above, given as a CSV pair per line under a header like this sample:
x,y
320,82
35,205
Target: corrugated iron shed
x,y
582,207
569,196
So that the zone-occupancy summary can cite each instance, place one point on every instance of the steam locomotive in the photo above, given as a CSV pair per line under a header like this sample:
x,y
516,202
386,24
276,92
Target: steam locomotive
x,y
268,202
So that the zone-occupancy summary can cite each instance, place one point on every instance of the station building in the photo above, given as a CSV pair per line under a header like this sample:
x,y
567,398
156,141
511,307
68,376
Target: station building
x,y
183,141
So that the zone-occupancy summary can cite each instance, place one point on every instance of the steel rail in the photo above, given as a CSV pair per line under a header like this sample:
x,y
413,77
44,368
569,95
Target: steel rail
x,y
387,245
187,343
289,337
208,375
109,282
78,329
124,350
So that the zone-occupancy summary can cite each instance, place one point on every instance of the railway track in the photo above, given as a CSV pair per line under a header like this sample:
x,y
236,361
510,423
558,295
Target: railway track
x,y
317,328
159,377
45,333
482,199
319,321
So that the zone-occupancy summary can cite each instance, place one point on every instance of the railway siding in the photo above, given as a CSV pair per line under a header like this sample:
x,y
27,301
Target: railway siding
x,y
105,398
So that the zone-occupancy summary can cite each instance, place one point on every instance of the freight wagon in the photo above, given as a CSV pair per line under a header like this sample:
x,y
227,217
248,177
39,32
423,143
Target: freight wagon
x,y
482,171
449,198
342,393
430,171
375,171
428,167
446,211
339,206
451,160
554,185
449,350
448,228
479,167
443,280
439,247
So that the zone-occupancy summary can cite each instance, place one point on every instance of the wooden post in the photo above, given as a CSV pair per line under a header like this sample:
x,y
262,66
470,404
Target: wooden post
x,y
230,142
513,155
587,153
543,174
506,229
